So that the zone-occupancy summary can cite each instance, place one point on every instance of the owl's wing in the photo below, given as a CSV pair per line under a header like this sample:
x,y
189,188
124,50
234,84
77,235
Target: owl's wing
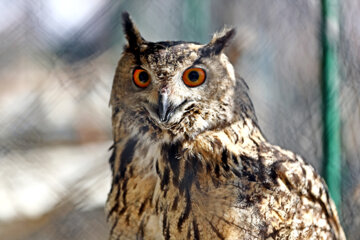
x,y
315,205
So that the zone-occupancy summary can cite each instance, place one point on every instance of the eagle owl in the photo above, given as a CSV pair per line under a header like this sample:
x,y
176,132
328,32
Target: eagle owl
x,y
189,160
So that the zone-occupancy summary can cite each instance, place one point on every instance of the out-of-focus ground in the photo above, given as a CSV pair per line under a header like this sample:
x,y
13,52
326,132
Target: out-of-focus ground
x,y
57,60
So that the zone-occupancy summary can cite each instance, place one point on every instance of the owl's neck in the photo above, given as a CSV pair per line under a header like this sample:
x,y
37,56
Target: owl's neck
x,y
147,151
149,139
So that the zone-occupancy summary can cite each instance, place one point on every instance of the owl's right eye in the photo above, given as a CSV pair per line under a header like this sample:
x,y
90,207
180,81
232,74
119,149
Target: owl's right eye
x,y
141,78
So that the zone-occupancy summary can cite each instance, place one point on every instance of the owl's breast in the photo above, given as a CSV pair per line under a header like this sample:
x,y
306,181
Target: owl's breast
x,y
228,184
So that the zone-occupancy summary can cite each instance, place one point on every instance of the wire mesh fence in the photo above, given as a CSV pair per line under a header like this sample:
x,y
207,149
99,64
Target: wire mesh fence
x,y
57,60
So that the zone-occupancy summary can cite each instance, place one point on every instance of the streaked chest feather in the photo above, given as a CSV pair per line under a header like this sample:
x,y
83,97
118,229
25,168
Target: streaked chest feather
x,y
227,184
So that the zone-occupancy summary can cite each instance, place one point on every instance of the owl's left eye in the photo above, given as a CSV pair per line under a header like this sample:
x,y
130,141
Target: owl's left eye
x,y
194,77
141,78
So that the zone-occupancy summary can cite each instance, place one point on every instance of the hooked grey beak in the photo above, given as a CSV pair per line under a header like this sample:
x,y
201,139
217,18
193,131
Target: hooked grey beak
x,y
163,106
166,108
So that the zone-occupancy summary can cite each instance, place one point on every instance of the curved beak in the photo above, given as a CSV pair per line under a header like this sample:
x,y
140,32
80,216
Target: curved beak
x,y
163,106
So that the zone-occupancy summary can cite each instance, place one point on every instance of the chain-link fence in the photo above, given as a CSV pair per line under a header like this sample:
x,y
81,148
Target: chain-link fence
x,y
57,60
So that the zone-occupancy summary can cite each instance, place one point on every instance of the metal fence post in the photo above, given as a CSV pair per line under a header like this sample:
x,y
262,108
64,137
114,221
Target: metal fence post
x,y
330,108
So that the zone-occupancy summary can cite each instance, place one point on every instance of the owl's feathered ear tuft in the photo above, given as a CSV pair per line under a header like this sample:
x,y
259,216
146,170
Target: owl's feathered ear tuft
x,y
131,32
218,42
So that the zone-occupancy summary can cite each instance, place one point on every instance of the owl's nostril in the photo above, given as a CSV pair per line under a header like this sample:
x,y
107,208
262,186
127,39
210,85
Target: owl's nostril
x,y
164,90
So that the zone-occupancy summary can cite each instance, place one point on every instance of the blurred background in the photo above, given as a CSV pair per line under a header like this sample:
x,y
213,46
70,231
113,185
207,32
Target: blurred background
x,y
57,61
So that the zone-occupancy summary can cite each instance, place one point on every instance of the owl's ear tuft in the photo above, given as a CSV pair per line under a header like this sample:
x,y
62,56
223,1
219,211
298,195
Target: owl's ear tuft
x,y
131,32
218,42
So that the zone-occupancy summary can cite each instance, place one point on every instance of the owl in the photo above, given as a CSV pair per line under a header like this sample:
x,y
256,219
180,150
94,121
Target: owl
x,y
189,160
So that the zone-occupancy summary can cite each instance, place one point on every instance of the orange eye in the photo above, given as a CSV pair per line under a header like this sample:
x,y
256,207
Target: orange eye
x,y
194,77
141,78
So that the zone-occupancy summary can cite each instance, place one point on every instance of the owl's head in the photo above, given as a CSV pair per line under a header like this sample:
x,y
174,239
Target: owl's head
x,y
177,87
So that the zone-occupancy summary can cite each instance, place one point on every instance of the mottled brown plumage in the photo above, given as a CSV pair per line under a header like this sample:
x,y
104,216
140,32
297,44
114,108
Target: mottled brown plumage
x,y
192,163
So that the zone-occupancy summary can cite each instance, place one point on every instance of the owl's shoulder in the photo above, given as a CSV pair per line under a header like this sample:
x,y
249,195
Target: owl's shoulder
x,y
289,195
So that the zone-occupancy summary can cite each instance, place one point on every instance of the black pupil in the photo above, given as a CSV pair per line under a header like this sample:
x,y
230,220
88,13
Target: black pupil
x,y
143,77
193,76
